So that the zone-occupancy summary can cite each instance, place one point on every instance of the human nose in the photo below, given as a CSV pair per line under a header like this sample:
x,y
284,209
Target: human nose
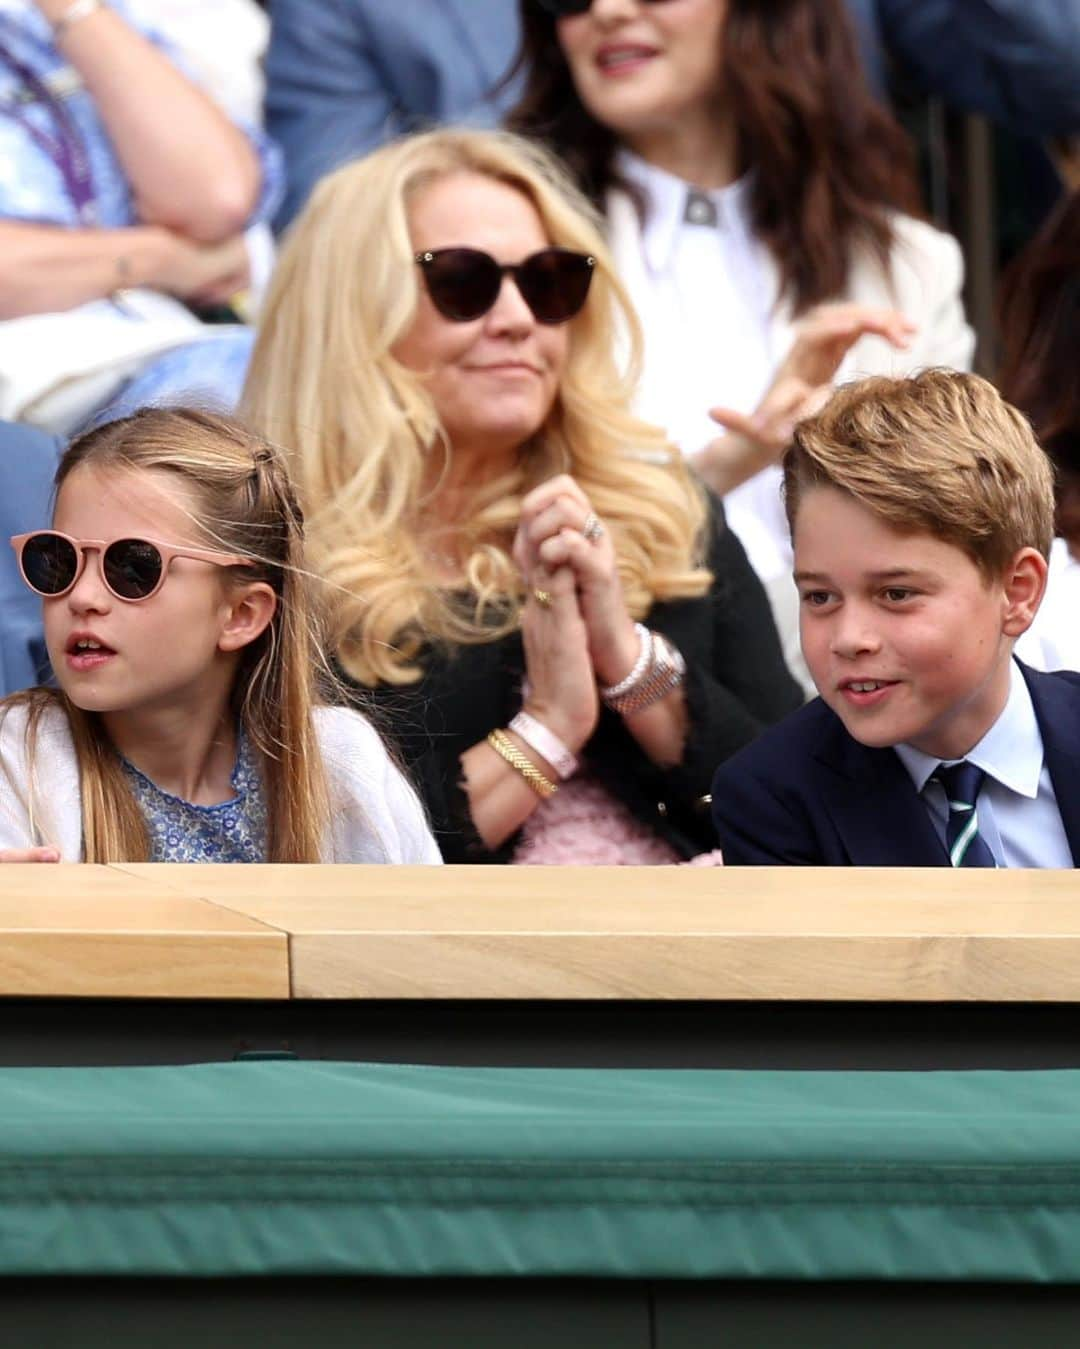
x,y
609,12
510,315
89,594
853,632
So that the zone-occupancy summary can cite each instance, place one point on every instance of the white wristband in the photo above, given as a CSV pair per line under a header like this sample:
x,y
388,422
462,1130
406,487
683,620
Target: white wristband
x,y
546,743
78,9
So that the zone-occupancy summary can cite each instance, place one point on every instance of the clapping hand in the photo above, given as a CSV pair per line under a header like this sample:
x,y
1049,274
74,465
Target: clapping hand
x,y
800,387
560,530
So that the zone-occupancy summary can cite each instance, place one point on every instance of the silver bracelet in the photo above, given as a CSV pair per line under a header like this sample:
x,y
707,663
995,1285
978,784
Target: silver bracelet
x,y
641,665
78,9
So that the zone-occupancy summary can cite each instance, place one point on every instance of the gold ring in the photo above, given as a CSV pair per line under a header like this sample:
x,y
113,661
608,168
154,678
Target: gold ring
x,y
543,598
592,529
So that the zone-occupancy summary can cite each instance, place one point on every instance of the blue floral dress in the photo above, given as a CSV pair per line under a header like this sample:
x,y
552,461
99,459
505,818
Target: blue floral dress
x,y
34,188
233,831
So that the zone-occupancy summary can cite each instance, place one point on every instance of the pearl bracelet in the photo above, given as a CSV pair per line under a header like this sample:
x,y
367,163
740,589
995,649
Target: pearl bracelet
x,y
546,743
666,672
643,662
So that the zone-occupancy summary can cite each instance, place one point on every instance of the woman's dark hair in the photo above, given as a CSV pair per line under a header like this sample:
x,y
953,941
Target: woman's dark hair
x,y
829,162
1039,316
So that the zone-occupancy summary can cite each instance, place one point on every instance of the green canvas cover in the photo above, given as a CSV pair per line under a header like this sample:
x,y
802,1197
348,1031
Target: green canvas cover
x,y
331,1168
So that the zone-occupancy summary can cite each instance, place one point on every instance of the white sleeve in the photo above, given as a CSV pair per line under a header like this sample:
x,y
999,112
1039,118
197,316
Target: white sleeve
x,y
40,801
376,815
931,295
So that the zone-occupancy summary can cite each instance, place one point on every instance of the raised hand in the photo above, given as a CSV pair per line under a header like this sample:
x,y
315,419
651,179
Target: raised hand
x,y
560,530
561,686
800,387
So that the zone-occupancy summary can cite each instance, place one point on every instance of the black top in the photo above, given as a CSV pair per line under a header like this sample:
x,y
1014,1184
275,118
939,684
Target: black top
x,y
736,684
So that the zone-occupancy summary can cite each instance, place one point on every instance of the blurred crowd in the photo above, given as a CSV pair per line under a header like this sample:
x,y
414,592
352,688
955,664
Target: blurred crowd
x,y
547,517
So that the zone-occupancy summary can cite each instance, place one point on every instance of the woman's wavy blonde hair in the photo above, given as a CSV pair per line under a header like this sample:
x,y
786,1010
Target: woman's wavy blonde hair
x,y
245,505
362,427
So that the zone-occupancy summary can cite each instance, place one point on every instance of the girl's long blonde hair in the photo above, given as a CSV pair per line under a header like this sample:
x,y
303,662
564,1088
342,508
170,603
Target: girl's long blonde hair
x,y
247,506
361,426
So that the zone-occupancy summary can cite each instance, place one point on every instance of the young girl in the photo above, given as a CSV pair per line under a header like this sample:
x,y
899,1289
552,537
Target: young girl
x,y
185,726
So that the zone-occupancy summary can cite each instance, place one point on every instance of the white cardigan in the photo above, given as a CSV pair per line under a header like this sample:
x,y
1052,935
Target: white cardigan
x,y
375,816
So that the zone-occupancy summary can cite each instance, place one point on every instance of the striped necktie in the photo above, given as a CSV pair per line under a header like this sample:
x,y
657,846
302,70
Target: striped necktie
x,y
961,783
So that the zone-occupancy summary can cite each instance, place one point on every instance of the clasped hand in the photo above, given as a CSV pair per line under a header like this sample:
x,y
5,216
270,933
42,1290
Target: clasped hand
x,y
577,633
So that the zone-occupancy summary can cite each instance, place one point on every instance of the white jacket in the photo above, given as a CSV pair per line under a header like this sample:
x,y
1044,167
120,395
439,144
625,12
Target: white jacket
x,y
375,815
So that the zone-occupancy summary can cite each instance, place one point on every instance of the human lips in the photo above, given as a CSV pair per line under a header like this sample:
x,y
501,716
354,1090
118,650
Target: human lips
x,y
507,368
86,651
865,692
621,58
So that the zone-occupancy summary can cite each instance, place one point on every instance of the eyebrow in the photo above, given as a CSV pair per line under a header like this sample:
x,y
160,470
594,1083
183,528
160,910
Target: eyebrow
x,y
886,574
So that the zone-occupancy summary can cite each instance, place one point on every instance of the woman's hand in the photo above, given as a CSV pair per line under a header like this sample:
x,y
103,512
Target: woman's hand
x,y
554,517
801,386
202,273
561,683
29,855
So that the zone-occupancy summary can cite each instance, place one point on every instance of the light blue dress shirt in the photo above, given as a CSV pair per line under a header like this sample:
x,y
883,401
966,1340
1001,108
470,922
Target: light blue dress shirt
x,y
1018,811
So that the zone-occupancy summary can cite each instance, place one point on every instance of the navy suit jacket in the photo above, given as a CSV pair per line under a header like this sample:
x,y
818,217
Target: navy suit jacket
x,y
805,793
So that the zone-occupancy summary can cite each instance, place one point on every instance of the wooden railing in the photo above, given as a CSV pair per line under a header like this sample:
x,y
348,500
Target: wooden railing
x,y
539,933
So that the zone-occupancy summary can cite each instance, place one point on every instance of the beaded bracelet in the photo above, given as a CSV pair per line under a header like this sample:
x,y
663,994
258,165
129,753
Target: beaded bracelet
x,y
666,672
641,666
501,743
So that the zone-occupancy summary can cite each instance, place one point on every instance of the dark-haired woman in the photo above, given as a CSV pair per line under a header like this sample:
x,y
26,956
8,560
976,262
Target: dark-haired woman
x,y
1040,324
748,178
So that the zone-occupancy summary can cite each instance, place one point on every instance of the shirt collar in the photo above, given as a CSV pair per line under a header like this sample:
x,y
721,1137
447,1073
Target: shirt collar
x,y
1011,751
665,203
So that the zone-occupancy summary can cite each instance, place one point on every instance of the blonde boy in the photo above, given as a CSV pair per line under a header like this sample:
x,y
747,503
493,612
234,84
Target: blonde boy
x,y
921,513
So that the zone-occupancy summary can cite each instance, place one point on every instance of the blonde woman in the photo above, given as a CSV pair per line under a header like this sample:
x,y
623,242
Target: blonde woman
x,y
525,576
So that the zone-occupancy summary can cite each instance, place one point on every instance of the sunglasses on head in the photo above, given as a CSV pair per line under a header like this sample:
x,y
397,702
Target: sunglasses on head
x,y
464,282
563,9
132,569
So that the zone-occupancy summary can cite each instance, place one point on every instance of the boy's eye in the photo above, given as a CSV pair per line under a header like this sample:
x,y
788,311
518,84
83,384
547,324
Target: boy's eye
x,y
898,594
816,598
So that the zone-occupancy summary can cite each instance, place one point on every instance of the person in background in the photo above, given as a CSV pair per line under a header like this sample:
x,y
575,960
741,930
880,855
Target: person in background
x,y
186,725
28,459
747,176
124,196
1040,326
1016,62
343,76
922,513
222,44
522,574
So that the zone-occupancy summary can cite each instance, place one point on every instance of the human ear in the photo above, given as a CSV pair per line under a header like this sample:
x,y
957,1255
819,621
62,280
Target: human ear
x,y
1024,584
248,615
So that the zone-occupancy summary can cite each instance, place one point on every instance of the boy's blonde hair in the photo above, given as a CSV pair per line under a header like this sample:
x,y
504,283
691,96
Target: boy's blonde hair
x,y
362,428
939,453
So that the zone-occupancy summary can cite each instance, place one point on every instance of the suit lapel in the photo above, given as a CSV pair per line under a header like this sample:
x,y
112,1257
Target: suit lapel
x,y
875,808
1057,709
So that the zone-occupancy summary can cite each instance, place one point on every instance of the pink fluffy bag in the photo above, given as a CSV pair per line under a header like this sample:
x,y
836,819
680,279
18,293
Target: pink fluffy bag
x,y
584,825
